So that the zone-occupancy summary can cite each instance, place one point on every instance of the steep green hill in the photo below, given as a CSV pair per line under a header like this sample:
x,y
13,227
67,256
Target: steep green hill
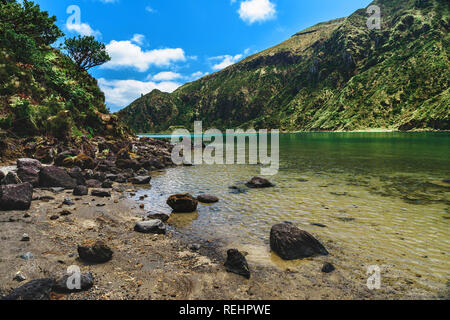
x,y
337,75
42,91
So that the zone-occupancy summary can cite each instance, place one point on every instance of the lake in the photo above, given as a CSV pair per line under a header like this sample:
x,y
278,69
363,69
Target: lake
x,y
370,198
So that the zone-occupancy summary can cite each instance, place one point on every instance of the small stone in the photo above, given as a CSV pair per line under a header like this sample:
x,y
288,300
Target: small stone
x,y
25,238
68,202
19,277
27,256
54,217
195,247
159,215
328,268
152,226
141,180
65,213
142,206
101,193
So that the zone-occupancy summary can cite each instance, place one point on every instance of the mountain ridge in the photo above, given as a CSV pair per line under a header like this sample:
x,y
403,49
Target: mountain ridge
x,y
342,76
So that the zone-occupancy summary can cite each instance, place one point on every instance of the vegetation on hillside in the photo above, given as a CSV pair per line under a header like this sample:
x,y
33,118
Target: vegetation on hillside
x,y
42,91
337,75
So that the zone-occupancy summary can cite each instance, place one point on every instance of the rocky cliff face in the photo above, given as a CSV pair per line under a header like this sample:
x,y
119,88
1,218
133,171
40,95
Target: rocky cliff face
x,y
338,75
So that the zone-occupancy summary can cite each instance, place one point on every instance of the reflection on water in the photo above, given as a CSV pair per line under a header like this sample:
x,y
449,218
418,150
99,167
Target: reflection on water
x,y
372,198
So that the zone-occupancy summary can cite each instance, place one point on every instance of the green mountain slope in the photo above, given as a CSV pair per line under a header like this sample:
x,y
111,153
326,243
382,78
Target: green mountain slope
x,y
337,75
42,91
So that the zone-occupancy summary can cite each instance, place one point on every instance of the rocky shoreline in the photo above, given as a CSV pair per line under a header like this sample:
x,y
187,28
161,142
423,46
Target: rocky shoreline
x,y
70,205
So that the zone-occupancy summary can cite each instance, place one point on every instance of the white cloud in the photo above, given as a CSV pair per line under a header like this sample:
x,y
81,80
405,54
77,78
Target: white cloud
x,y
138,38
120,93
226,61
82,29
166,76
150,9
128,54
252,11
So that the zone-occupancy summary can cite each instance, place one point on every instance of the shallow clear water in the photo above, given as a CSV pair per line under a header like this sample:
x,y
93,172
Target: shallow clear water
x,y
381,197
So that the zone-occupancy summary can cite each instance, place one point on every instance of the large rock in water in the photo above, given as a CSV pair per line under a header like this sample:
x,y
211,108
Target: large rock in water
x,y
258,182
236,263
182,203
291,243
34,290
98,253
56,177
16,196
141,180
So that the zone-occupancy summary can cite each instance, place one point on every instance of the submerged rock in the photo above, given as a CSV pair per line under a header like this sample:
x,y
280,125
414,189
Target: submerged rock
x,y
98,253
34,290
159,216
290,243
16,196
56,177
236,263
86,283
258,182
152,226
182,203
207,198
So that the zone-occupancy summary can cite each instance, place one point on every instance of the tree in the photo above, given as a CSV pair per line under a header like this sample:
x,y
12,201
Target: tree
x,y
26,18
86,52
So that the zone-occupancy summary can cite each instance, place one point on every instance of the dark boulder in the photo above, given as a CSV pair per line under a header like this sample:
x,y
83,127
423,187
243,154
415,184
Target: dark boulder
x,y
92,183
56,177
236,263
80,191
207,198
101,193
61,285
77,174
28,174
2,175
34,290
151,226
182,203
291,243
141,180
29,163
107,184
98,253
258,182
16,196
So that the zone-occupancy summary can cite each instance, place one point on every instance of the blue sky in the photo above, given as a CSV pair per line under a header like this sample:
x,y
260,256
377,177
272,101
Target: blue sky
x,y
166,43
